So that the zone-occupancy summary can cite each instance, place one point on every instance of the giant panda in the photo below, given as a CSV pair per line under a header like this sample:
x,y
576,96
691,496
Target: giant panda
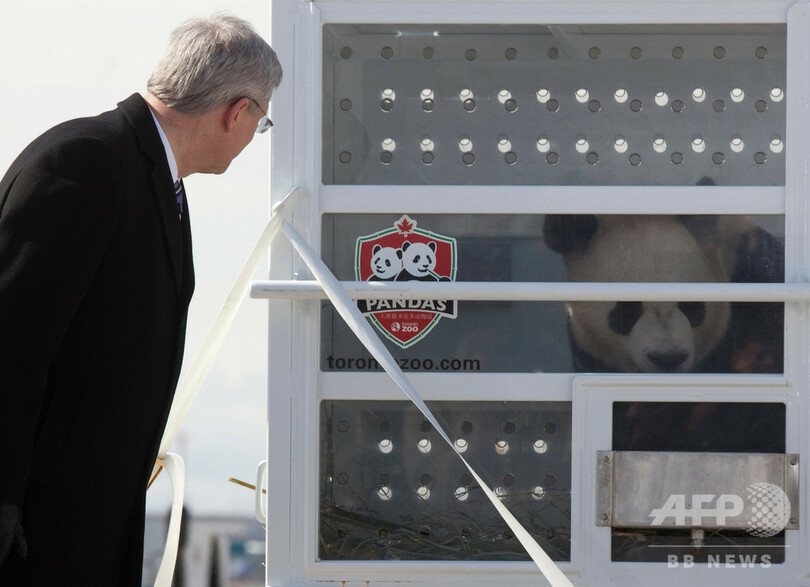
x,y
669,337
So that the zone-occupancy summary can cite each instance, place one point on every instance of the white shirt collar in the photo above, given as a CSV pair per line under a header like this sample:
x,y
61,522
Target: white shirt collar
x,y
169,154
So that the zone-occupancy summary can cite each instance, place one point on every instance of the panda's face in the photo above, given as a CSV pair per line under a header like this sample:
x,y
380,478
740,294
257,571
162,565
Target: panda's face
x,y
419,259
386,262
646,337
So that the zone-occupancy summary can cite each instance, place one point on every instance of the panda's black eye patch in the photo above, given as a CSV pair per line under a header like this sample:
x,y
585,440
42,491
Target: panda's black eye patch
x,y
624,316
695,312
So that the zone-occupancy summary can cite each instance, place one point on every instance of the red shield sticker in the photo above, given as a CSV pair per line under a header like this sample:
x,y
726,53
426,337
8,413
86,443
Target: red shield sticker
x,y
404,252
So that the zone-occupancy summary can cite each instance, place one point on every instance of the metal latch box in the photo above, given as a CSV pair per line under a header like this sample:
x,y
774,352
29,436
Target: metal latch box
x,y
758,493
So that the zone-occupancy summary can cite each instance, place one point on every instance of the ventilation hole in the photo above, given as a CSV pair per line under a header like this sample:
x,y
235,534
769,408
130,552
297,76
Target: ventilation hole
x,y
342,478
581,95
385,445
346,52
635,105
635,53
345,157
634,159
761,52
737,144
659,144
426,144
466,428
553,52
552,158
540,446
389,144
677,158
620,95
592,158
760,158
428,157
500,491
698,144
737,95
428,105
386,157
469,105
509,428
776,145
661,98
468,158
677,52
423,492
594,106
510,105
698,94
470,54
718,158
538,492
387,105
345,105
582,145
387,52
424,445
620,144
465,144
677,106
543,144
384,493
383,479
465,94
718,105
504,144
761,105
552,105
594,52
508,480
501,447
511,54
549,427
543,95
461,445
503,95
719,52
461,493
343,426
428,52
777,94
510,157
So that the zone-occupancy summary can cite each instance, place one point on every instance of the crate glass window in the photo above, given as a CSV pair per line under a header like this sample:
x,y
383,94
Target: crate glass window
x,y
623,336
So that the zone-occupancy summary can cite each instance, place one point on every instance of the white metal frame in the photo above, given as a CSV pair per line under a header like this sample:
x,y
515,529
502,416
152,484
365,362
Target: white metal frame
x,y
296,384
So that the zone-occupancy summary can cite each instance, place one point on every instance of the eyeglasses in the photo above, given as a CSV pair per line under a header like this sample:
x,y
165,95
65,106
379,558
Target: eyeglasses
x,y
264,122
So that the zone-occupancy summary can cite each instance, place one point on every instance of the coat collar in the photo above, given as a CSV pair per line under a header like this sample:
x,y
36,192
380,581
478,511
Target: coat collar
x,y
139,117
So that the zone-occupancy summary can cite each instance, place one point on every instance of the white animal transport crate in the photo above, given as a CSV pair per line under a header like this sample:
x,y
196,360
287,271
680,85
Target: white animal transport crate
x,y
579,232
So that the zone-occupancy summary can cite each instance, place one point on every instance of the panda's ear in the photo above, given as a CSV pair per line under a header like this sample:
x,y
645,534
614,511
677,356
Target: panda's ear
x,y
432,246
376,249
569,233
405,246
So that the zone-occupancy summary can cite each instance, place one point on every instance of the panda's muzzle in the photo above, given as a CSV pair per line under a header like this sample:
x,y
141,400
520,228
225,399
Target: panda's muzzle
x,y
667,361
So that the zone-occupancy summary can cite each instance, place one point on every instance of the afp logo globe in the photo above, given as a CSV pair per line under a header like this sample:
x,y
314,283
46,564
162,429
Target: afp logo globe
x,y
770,509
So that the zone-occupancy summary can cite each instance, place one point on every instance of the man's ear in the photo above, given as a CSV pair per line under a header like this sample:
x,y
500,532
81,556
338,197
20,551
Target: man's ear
x,y
234,111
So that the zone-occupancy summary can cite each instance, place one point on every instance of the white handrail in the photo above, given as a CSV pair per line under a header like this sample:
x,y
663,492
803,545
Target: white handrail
x,y
541,291
176,469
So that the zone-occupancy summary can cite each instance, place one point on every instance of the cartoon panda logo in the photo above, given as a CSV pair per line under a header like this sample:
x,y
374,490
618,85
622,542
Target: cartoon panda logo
x,y
419,262
386,263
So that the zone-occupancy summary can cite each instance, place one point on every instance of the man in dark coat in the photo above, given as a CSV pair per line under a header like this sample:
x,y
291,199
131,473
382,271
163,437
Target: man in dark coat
x,y
95,280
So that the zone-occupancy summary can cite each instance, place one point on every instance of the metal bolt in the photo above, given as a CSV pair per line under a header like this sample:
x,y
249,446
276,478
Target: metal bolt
x,y
794,521
604,517
794,461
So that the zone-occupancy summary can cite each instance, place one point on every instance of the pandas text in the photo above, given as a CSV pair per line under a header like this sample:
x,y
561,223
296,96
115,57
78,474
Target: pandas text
x,y
439,306
371,364
720,561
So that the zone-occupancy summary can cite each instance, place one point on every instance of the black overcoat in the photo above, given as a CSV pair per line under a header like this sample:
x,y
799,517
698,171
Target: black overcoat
x,y
95,280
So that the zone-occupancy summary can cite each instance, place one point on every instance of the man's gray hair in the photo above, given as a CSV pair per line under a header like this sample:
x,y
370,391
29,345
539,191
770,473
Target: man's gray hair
x,y
214,61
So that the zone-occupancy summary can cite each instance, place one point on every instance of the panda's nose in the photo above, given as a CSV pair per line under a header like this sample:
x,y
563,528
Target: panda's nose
x,y
668,361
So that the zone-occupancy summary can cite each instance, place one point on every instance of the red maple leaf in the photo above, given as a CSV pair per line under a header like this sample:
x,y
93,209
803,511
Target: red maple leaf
x,y
405,225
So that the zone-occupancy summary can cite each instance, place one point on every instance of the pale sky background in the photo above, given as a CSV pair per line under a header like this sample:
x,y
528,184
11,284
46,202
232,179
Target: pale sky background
x,y
62,60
